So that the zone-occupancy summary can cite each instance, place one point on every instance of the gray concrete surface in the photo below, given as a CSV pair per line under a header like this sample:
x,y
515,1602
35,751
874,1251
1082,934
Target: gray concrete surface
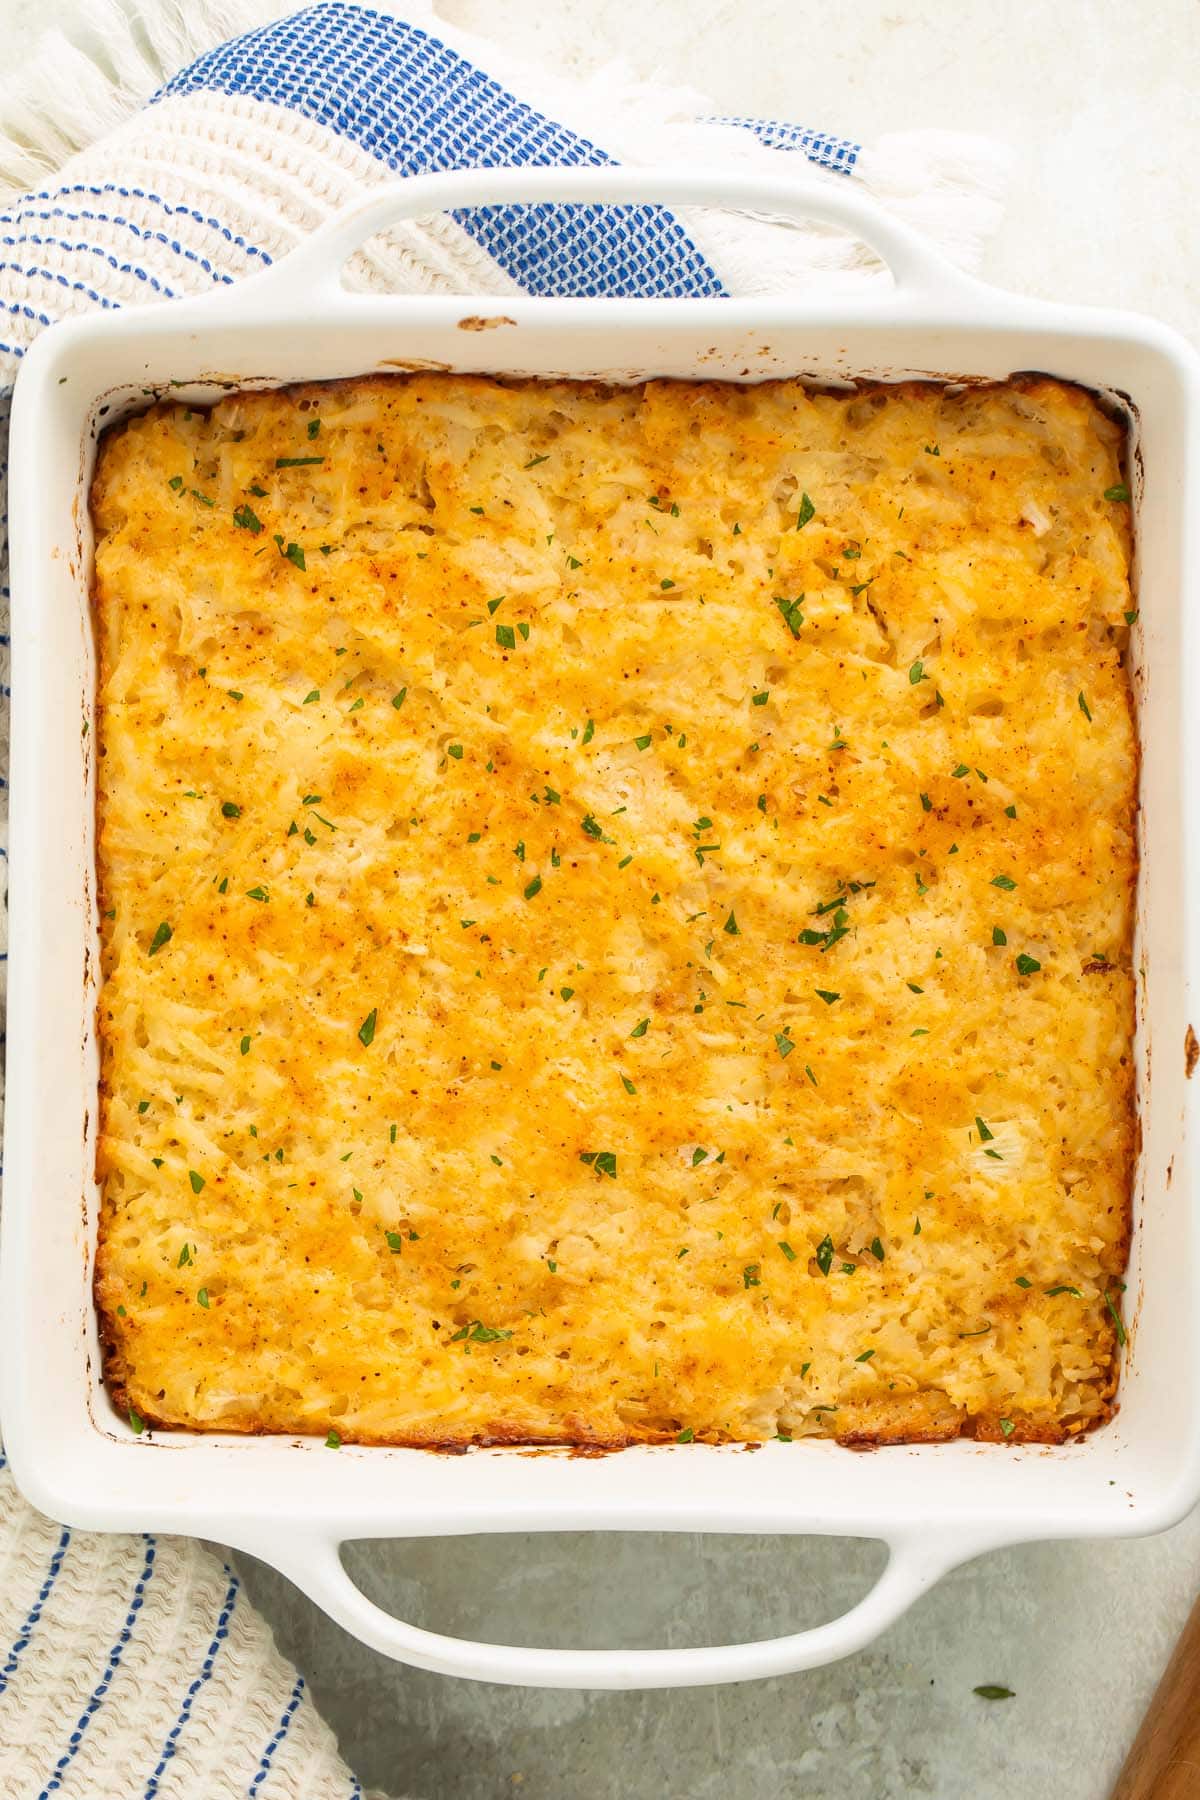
x,y
1078,1631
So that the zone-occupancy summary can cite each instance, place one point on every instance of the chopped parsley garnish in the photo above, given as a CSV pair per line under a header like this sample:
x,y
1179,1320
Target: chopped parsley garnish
x,y
292,553
1119,493
506,637
534,461
196,1179
783,1043
395,1242
750,1276
1004,881
686,1436
917,673
398,699
699,1156
366,1030
926,803
313,694
826,996
333,1440
257,893
876,1249
643,742
1023,1281
760,699
1063,1288
229,810
1007,1427
245,1046
865,1356
824,1254
479,1333
246,517
162,936
790,613
1116,1318
297,462
787,1250
589,732
533,887
640,1029
985,1136
202,1297
807,511
454,750
603,1161
136,1423
731,926
999,936
1084,708
1027,965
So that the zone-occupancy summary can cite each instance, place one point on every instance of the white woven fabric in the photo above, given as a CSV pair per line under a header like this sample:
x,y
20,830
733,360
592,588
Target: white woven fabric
x,y
136,1667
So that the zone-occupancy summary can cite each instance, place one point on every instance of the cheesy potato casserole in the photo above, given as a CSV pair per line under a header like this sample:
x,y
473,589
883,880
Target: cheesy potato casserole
x,y
616,911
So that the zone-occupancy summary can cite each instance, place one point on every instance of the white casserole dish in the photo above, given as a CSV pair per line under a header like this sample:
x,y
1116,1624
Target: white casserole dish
x,y
291,1501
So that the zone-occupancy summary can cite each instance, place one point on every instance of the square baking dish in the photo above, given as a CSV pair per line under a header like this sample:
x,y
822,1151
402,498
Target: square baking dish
x,y
288,1500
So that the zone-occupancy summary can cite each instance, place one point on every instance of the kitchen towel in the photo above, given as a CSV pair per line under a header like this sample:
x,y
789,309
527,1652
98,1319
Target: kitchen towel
x,y
176,154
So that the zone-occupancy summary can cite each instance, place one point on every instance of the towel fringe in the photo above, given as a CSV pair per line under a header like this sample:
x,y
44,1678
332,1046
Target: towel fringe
x,y
71,91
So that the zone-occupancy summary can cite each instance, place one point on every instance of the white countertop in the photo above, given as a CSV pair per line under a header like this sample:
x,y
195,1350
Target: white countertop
x,y
1097,96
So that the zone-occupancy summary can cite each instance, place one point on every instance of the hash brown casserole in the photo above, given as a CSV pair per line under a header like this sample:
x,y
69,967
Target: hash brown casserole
x,y
616,911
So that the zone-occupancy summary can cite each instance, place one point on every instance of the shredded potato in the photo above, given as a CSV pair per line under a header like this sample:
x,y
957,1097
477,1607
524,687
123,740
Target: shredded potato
x,y
617,911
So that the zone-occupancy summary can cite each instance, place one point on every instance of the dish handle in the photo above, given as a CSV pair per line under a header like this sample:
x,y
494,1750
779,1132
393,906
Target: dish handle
x,y
312,273
914,1565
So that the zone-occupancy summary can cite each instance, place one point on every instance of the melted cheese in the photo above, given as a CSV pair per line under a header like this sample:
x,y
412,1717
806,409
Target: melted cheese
x,y
649,879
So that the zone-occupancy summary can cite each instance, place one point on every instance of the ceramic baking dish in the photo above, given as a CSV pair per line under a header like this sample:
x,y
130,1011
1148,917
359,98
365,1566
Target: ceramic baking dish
x,y
292,1501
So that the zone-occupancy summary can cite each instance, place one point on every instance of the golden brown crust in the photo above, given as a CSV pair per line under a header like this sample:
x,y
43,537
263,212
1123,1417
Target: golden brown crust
x,y
958,545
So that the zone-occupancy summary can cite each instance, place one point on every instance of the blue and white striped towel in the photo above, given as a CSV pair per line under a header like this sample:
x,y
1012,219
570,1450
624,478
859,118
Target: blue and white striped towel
x,y
134,1666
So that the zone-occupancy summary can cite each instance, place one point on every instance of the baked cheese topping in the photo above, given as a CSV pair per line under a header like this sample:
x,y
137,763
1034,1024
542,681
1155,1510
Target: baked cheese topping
x,y
617,911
